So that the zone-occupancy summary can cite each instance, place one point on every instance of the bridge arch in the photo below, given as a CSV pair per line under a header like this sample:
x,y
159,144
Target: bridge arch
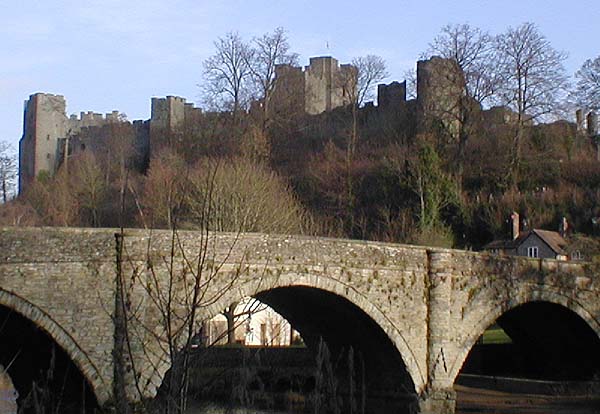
x,y
62,338
267,288
547,294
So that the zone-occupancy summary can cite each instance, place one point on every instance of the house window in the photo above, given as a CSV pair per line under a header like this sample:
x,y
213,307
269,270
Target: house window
x,y
532,252
576,255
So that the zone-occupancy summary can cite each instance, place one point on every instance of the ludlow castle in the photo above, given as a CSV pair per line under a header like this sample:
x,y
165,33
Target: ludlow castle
x,y
50,137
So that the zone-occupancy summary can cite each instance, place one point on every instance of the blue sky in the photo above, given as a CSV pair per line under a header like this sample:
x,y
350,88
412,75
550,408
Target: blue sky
x,y
109,54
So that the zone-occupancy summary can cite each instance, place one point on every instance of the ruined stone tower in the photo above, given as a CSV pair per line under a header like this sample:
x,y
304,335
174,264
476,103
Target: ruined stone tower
x,y
392,95
44,123
45,128
440,90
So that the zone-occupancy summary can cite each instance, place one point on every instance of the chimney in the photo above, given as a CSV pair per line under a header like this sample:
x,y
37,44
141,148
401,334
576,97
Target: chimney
x,y
515,224
563,227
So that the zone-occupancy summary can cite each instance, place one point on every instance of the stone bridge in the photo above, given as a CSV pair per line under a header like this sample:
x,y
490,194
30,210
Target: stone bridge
x,y
414,312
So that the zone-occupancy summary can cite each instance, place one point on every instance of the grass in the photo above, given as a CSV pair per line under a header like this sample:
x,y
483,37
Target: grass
x,y
495,335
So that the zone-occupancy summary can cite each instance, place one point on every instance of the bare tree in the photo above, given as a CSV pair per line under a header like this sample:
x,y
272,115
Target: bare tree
x,y
268,51
52,200
587,88
410,75
533,82
89,187
471,49
227,75
8,171
370,70
357,86
179,287
243,196
164,188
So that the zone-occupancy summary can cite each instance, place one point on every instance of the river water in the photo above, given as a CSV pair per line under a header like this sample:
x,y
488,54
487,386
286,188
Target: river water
x,y
469,401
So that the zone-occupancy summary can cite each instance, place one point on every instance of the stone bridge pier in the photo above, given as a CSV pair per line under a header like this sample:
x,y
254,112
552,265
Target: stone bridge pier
x,y
412,313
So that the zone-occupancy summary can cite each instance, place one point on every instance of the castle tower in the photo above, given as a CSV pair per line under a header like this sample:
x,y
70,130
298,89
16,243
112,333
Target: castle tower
x,y
167,119
392,95
288,96
44,123
325,81
167,113
440,89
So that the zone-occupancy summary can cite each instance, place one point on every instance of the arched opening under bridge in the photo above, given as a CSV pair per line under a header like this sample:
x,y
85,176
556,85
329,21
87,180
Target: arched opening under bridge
x,y
345,358
537,348
41,371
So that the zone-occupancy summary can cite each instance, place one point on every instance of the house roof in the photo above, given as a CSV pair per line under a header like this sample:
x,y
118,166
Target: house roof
x,y
500,244
551,238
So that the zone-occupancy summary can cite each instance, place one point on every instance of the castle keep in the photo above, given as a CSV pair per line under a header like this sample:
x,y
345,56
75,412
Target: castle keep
x,y
322,86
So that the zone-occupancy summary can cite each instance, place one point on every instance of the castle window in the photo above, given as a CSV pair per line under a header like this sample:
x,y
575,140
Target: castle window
x,y
48,137
532,252
47,156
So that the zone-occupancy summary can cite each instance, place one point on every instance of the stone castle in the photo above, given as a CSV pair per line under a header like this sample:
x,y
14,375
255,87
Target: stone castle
x,y
50,136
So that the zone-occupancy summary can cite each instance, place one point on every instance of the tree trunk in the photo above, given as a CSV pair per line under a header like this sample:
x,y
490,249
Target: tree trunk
x,y
229,314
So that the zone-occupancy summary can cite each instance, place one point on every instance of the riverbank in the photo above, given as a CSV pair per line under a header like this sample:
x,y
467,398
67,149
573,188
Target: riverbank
x,y
471,400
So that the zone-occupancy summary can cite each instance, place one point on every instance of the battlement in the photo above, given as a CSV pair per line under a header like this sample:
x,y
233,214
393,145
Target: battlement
x,y
49,96
321,65
91,118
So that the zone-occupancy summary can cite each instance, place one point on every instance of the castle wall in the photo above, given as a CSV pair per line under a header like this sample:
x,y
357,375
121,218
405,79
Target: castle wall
x,y
320,87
